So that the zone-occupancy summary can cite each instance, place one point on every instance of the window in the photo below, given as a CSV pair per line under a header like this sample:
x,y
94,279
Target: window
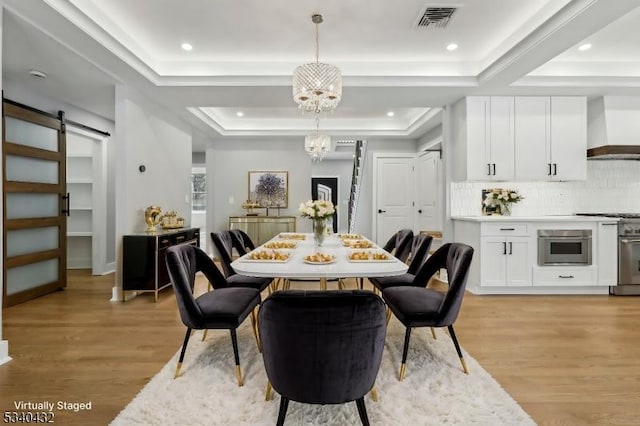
x,y
198,189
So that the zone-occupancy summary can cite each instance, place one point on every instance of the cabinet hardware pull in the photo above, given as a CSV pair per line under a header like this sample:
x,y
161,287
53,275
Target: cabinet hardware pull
x,y
494,169
420,211
549,164
180,238
625,241
164,241
609,224
381,211
566,276
504,248
507,229
555,169
489,169
510,248
67,209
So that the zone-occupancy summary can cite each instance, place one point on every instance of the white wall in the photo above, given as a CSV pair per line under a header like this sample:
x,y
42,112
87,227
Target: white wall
x,y
612,186
364,214
228,165
148,135
29,96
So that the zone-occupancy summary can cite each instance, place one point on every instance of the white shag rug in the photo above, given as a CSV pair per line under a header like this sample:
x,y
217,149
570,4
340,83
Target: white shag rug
x,y
435,391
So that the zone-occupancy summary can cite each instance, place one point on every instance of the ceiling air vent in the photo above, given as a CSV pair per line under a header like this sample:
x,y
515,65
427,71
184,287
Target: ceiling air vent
x,y
436,17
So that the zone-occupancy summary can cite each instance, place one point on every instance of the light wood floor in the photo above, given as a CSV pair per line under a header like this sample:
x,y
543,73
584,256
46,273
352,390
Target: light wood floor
x,y
567,360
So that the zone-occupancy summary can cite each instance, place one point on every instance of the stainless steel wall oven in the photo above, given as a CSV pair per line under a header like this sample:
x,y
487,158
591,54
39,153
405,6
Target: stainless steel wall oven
x,y
564,247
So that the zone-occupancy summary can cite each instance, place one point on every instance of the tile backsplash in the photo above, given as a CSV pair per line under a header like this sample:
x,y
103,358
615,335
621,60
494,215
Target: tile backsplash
x,y
612,186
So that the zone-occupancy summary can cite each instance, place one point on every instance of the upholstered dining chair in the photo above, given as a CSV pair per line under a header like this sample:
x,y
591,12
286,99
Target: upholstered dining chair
x,y
418,306
400,244
223,308
241,241
421,245
322,347
223,242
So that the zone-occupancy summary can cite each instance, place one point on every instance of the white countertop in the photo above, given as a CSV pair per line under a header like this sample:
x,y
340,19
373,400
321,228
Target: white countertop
x,y
571,218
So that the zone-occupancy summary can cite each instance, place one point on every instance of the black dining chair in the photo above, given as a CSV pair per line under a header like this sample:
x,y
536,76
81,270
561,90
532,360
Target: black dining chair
x,y
418,306
242,241
223,242
400,244
421,245
322,347
222,308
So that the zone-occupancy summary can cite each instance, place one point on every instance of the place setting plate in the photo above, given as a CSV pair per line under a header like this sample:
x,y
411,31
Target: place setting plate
x,y
281,245
319,259
292,236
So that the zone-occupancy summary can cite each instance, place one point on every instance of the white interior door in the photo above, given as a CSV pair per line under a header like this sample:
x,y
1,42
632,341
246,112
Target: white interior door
x,y
429,192
394,197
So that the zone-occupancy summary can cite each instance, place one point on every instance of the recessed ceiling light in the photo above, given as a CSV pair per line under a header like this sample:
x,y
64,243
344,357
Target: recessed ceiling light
x,y
240,114
37,73
186,46
585,46
391,114
451,47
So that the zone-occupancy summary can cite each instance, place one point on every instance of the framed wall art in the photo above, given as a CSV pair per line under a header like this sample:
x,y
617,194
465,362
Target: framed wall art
x,y
270,189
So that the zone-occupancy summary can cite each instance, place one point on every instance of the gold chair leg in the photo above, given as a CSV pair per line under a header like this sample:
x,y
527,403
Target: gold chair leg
x,y
388,315
254,325
433,333
323,284
340,284
374,394
403,371
239,376
177,373
464,366
267,392
204,334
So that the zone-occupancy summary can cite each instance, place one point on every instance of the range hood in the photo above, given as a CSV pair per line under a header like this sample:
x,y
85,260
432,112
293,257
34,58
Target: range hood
x,y
613,128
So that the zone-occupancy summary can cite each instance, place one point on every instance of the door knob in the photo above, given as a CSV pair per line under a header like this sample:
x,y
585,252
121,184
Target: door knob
x,y
420,211
381,211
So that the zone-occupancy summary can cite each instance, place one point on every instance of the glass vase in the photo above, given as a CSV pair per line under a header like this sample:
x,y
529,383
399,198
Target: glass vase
x,y
319,230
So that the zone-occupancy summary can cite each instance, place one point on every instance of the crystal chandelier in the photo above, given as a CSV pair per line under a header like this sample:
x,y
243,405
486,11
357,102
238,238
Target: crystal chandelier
x,y
317,87
317,144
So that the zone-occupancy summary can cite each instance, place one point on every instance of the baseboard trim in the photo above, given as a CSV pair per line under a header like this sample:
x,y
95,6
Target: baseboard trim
x,y
4,352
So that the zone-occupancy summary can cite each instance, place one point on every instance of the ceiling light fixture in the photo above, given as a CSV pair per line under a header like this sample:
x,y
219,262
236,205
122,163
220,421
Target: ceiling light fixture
x,y
584,47
451,47
187,47
317,87
317,144
240,114
391,114
37,73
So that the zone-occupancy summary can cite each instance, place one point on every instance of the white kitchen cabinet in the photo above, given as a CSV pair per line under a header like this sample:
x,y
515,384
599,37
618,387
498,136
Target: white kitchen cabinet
x,y
505,261
607,253
489,138
550,138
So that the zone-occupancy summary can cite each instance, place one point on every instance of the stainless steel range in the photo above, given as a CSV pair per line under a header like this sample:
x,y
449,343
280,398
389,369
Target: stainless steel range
x,y
628,252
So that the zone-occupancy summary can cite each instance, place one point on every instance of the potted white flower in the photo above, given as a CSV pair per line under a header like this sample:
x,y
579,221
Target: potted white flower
x,y
319,211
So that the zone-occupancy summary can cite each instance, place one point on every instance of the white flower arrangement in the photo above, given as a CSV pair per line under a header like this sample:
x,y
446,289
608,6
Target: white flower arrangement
x,y
317,209
500,199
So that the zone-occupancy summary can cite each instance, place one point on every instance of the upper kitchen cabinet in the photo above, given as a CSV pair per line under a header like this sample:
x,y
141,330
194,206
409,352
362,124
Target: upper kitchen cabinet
x,y
550,138
483,138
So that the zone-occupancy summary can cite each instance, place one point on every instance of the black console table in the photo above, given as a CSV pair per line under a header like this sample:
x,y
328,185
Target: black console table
x,y
144,268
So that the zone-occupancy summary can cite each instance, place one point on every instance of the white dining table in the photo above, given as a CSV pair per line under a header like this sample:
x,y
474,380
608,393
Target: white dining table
x,y
297,268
